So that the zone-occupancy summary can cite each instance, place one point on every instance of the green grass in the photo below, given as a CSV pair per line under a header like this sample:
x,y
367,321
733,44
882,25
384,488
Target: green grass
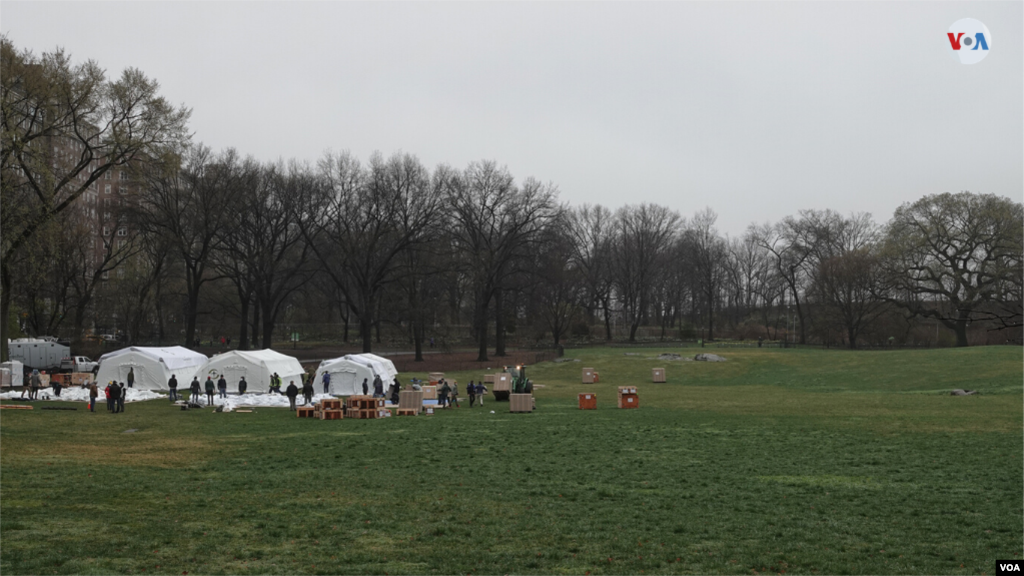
x,y
830,462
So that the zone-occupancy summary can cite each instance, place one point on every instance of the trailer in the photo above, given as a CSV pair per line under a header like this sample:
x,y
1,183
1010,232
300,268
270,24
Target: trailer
x,y
38,353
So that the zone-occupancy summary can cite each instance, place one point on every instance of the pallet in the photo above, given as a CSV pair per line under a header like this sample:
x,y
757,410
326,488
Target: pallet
x,y
332,415
407,412
305,412
15,407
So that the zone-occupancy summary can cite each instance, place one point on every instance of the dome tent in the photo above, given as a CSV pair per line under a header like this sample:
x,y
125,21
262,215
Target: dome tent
x,y
153,366
346,376
384,369
256,365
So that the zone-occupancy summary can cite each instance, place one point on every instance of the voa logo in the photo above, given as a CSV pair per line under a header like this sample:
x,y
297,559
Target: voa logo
x,y
1009,567
969,40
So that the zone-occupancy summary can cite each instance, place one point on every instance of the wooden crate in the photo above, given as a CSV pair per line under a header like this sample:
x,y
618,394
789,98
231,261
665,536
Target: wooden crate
x,y
658,375
502,382
362,402
305,412
488,378
81,378
332,415
588,375
62,379
331,404
406,412
520,402
435,377
588,401
627,390
629,401
430,392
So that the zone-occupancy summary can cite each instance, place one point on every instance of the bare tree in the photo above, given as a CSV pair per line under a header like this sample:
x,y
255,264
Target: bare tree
x,y
789,258
708,252
591,229
948,256
364,219
191,205
496,227
63,127
643,235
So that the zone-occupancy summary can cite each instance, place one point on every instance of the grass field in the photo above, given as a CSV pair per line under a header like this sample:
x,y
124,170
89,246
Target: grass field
x,y
809,461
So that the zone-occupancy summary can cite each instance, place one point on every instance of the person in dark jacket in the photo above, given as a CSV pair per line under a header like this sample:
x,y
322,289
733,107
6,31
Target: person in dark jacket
x,y
194,391
172,385
327,382
378,387
131,377
222,386
291,392
442,394
121,396
115,398
242,386
471,390
366,387
395,388
93,393
209,391
307,391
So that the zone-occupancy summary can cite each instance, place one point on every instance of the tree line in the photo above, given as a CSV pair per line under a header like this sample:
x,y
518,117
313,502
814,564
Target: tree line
x,y
198,243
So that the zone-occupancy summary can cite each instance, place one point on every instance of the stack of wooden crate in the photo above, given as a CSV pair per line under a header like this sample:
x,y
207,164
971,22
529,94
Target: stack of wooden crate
x,y
307,412
628,397
365,407
331,409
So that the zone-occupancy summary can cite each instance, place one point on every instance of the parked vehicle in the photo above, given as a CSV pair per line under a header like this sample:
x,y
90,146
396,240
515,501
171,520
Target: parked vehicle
x,y
38,353
78,364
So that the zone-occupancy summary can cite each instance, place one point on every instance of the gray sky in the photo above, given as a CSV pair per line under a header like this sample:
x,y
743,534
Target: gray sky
x,y
754,109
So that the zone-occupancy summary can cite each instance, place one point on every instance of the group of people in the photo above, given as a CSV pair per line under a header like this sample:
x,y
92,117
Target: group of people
x,y
448,394
115,392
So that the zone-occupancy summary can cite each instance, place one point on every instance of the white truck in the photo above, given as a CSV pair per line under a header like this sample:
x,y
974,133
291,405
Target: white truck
x,y
38,353
78,364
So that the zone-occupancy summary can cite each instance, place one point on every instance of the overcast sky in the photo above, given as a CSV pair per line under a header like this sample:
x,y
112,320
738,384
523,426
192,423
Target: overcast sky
x,y
757,110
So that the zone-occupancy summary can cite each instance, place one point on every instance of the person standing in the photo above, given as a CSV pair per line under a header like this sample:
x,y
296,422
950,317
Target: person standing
x,y
275,384
110,401
481,391
471,390
366,387
455,394
172,385
55,384
442,394
194,391
242,386
209,391
307,391
291,392
378,387
131,377
122,395
115,395
327,382
34,382
93,393
222,386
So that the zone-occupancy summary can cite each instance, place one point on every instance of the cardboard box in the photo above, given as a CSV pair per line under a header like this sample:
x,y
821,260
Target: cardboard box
x,y
520,403
430,392
435,377
410,400
629,401
588,375
658,375
502,382
588,401
81,378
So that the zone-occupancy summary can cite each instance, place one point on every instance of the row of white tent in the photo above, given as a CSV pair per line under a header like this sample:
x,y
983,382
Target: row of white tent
x,y
153,368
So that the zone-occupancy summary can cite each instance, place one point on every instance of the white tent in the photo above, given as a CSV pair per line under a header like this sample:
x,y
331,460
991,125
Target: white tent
x,y
386,371
12,373
153,366
256,365
346,376
388,364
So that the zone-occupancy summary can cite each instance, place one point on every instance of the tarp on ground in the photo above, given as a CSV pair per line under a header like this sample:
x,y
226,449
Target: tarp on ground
x,y
153,366
346,376
256,365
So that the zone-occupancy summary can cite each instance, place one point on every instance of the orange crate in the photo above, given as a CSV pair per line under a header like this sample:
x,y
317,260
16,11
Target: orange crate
x,y
332,415
588,401
629,401
305,412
